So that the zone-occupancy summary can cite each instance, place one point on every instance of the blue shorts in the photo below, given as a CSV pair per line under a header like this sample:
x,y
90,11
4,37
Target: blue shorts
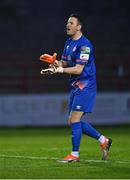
x,y
82,100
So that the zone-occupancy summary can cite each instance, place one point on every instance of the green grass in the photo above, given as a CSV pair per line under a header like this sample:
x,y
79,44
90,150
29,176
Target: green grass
x,y
33,153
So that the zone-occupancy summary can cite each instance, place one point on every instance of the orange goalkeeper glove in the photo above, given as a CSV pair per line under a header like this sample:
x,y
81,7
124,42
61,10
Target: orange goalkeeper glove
x,y
48,58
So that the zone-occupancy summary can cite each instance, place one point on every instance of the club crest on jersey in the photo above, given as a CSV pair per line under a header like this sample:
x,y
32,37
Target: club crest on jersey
x,y
74,49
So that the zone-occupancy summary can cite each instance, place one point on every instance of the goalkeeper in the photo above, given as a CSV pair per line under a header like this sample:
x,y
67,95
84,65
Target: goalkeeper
x,y
78,61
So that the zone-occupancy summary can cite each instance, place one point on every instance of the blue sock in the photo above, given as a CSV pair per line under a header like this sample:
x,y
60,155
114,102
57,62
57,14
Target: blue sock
x,y
76,131
89,130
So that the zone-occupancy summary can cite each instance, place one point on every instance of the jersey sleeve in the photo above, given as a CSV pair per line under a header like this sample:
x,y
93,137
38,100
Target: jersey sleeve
x,y
83,54
64,54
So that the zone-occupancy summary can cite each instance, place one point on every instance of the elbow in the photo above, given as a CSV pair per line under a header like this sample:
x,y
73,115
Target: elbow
x,y
78,71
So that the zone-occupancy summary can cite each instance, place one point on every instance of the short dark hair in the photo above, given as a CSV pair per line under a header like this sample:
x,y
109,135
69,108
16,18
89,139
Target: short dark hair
x,y
80,20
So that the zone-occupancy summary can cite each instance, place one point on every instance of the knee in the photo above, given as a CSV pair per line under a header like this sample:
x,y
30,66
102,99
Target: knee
x,y
75,117
71,119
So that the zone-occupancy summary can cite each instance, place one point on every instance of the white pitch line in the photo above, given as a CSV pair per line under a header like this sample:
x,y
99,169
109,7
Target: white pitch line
x,y
54,158
28,157
106,161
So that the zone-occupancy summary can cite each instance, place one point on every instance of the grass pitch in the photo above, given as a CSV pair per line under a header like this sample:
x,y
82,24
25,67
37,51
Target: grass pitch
x,y
29,153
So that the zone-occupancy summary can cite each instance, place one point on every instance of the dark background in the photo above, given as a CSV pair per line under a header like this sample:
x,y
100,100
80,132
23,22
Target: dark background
x,y
29,28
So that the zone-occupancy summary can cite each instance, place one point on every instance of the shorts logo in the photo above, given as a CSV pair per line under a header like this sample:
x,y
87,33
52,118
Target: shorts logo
x,y
78,107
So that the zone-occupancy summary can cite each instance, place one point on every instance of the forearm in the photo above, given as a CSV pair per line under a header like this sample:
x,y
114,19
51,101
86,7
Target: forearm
x,y
59,69
72,70
62,63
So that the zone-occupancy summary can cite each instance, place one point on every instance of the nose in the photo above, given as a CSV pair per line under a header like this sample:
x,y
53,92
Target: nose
x,y
67,25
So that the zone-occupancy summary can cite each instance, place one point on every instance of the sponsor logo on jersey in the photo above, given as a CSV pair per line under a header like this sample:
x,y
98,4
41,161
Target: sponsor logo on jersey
x,y
84,56
85,49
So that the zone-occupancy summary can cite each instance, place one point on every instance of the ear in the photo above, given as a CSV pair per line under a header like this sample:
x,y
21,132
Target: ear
x,y
79,27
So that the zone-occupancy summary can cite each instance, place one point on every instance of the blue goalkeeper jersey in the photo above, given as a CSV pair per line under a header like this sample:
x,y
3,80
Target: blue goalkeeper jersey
x,y
81,52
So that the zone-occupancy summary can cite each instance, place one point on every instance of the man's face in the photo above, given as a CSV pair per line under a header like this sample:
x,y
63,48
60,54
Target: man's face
x,y
72,26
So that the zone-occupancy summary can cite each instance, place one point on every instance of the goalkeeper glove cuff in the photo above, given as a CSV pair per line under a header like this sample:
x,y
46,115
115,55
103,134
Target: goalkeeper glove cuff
x,y
59,69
